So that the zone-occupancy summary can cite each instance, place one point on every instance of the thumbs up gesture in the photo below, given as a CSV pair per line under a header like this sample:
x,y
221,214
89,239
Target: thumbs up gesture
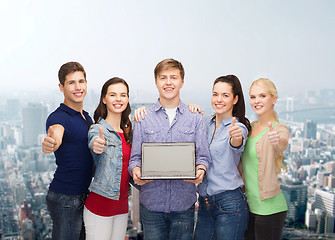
x,y
99,143
49,142
236,134
272,135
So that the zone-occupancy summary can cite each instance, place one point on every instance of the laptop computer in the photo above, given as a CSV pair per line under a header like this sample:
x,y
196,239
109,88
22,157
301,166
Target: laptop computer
x,y
168,161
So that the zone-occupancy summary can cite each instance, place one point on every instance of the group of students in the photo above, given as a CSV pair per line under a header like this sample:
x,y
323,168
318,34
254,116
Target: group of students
x,y
237,162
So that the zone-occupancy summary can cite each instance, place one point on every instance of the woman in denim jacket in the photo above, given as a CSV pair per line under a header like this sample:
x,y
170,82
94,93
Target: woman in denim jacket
x,y
106,207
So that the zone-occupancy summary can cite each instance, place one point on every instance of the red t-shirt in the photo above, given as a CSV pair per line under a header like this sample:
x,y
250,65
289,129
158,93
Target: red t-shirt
x,y
106,207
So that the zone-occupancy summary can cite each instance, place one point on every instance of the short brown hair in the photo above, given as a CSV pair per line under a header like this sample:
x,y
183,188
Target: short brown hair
x,y
68,68
167,64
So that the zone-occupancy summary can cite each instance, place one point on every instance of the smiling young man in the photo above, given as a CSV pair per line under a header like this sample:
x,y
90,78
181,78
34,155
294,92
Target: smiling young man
x,y
67,129
167,206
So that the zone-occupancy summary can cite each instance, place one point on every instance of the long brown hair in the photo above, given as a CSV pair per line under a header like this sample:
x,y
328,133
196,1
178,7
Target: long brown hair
x,y
101,111
239,107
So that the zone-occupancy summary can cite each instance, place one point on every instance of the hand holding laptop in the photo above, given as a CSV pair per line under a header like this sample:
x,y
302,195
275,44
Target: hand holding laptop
x,y
200,174
137,176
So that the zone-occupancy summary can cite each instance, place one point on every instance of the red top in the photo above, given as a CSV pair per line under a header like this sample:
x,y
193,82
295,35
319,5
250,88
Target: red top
x,y
106,207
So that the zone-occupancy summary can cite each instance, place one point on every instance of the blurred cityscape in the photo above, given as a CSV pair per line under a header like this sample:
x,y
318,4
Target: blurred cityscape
x,y
308,184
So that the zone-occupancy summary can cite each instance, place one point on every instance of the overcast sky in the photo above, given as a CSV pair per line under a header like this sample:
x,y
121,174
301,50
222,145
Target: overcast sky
x,y
289,41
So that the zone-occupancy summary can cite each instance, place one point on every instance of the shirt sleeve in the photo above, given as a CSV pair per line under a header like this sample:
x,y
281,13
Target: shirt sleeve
x,y
202,154
56,118
93,133
240,149
284,135
136,151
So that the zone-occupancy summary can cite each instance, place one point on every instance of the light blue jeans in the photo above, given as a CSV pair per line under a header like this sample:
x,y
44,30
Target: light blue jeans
x,y
167,225
66,212
222,216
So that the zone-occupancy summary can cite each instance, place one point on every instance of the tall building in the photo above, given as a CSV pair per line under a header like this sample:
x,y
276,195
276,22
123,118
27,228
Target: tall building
x,y
34,117
329,181
296,197
12,108
322,178
310,219
27,224
297,145
330,167
329,224
325,200
310,129
289,107
320,220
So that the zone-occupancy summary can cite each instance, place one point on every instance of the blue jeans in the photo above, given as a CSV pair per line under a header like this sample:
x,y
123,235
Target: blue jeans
x,y
222,216
66,212
167,225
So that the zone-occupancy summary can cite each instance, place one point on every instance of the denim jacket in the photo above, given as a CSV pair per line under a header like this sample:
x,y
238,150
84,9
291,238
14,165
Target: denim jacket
x,y
107,178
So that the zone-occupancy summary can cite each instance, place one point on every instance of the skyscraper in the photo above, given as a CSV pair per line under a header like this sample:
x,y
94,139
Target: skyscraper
x,y
296,197
12,112
325,200
34,117
310,129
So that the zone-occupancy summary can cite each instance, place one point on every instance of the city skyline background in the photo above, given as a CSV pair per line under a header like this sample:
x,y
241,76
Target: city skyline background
x,y
290,42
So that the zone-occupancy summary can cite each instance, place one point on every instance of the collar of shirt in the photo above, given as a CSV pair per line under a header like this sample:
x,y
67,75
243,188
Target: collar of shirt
x,y
181,107
107,125
225,122
71,111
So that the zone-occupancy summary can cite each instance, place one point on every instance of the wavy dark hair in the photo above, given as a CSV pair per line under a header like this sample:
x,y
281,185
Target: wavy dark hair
x,y
239,107
101,111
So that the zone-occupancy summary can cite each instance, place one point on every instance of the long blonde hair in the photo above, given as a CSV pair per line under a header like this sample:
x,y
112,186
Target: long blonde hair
x,y
271,88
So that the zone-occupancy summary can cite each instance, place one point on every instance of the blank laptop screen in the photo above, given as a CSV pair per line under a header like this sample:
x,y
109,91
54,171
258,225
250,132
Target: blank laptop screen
x,y
168,161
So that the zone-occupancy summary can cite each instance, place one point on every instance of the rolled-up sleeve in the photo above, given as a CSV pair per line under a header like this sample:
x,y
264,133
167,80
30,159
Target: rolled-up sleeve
x,y
136,150
284,135
202,154
240,149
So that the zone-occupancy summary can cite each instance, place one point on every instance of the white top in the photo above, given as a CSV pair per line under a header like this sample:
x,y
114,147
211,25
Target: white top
x,y
171,112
